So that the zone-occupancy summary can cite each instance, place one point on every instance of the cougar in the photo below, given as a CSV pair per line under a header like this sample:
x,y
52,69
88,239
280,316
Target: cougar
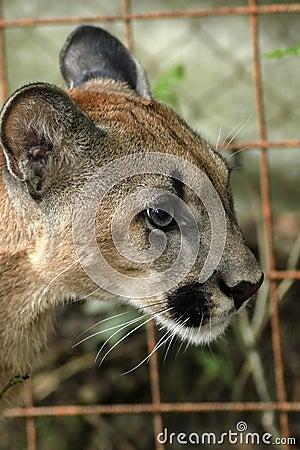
x,y
108,194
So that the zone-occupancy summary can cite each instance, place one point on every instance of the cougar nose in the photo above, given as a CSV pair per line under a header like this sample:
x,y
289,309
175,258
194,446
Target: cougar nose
x,y
242,291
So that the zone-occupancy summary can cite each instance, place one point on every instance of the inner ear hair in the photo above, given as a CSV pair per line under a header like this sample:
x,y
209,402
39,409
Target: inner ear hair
x,y
35,124
38,158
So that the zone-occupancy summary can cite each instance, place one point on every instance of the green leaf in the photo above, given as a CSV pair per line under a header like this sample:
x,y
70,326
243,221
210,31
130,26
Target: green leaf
x,y
12,383
280,53
165,87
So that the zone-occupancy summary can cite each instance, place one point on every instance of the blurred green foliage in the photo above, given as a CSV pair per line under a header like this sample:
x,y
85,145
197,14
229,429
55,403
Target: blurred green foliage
x,y
280,53
165,87
216,365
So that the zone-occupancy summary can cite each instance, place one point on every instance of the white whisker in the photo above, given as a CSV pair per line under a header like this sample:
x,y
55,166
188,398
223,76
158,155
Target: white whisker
x,y
181,343
233,154
159,344
91,293
119,341
102,321
219,136
239,127
210,327
123,326
183,337
200,325
169,346
210,349
120,325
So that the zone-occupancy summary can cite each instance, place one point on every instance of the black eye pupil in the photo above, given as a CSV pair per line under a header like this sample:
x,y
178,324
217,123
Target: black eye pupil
x,y
160,214
159,217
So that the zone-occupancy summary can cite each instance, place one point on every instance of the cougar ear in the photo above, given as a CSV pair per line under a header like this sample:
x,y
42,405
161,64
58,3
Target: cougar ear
x,y
37,123
92,53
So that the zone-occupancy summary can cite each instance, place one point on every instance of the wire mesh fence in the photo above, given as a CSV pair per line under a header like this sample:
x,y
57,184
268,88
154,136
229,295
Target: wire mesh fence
x,y
239,79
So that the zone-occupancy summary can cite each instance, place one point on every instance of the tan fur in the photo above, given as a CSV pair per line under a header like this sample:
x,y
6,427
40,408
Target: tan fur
x,y
96,123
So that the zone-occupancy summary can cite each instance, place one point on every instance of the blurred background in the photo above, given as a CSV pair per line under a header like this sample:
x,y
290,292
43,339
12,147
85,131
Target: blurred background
x,y
203,67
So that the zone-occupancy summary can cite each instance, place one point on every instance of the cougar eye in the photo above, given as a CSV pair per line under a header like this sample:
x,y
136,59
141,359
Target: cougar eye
x,y
159,218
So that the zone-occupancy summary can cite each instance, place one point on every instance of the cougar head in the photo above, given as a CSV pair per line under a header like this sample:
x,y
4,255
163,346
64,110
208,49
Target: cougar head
x,y
124,200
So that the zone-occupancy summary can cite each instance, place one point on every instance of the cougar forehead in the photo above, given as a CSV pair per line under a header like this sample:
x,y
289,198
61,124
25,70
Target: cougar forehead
x,y
134,124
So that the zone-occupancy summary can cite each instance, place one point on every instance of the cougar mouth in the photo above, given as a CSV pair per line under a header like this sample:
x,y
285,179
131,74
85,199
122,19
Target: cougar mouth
x,y
190,306
193,305
199,315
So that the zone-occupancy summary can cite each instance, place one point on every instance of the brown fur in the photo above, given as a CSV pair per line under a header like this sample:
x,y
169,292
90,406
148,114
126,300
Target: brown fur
x,y
54,142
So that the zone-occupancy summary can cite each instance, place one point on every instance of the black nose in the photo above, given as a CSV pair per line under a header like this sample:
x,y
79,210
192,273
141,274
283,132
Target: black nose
x,y
241,291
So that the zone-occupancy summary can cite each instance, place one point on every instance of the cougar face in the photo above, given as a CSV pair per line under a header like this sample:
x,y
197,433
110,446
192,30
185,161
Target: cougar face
x,y
108,194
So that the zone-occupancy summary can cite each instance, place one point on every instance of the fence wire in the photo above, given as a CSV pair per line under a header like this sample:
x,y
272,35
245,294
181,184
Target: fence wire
x,y
253,10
